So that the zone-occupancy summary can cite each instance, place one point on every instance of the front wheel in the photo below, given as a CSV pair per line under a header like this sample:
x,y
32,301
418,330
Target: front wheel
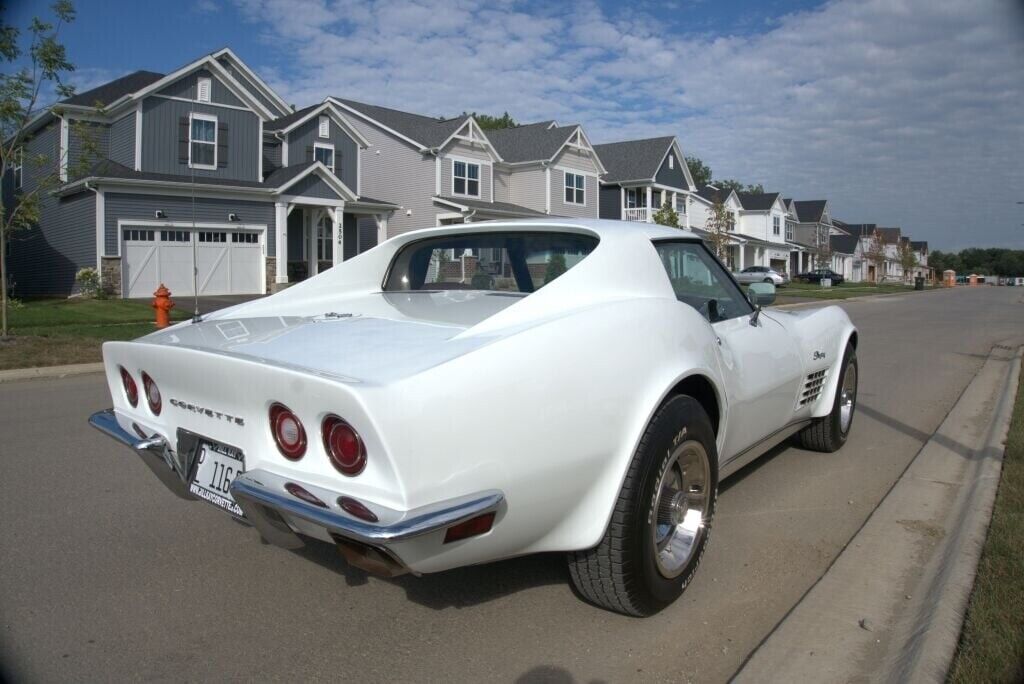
x,y
662,519
829,433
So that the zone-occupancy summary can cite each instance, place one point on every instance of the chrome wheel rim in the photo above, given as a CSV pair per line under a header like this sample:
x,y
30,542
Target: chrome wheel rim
x,y
848,397
681,508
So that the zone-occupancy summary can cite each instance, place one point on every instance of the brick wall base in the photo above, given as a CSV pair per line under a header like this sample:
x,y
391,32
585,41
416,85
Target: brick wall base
x,y
110,276
271,269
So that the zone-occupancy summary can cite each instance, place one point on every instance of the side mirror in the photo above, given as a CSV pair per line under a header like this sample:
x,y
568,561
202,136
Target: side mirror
x,y
761,294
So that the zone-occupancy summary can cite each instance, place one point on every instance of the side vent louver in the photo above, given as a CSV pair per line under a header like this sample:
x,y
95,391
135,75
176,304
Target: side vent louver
x,y
812,388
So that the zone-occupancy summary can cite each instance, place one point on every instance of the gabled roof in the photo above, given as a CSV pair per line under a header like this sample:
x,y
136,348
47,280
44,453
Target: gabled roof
x,y
919,245
260,84
296,119
845,244
633,160
858,229
114,90
285,121
423,131
757,202
503,208
809,211
530,143
715,194
890,235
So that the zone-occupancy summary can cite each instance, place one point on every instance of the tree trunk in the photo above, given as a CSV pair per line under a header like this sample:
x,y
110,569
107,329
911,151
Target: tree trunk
x,y
3,282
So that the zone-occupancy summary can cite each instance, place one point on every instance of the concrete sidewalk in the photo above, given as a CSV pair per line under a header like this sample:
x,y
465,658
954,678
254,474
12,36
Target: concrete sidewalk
x,y
891,606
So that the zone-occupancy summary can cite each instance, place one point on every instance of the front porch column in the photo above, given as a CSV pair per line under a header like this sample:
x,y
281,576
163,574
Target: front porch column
x,y
686,208
382,228
312,217
337,217
650,207
281,240
741,250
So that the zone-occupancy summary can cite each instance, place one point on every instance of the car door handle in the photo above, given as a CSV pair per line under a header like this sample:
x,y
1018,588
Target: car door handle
x,y
718,340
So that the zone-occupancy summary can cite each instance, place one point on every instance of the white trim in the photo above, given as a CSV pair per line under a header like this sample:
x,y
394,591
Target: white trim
x,y
437,175
260,83
547,190
447,215
138,137
101,242
479,180
569,169
327,176
359,171
378,124
323,126
382,228
299,200
284,151
161,224
325,146
205,104
203,117
259,155
65,150
338,117
476,137
200,82
565,186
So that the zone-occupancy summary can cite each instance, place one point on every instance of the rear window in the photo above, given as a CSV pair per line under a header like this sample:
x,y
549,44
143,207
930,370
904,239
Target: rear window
x,y
503,262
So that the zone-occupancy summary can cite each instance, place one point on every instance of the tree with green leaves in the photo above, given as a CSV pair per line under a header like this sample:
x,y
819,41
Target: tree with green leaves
x,y
720,223
730,184
556,267
700,171
38,63
667,216
907,258
491,123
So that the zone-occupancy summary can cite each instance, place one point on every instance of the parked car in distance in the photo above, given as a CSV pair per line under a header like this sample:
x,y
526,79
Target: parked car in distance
x,y
586,397
762,274
819,274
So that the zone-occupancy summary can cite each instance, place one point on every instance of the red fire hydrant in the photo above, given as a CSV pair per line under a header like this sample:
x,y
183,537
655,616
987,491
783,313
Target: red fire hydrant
x,y
163,306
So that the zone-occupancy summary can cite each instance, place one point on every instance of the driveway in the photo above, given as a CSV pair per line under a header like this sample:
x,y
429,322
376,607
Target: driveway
x,y
105,575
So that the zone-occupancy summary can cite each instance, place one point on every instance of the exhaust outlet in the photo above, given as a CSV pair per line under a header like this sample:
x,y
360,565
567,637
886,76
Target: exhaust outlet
x,y
371,559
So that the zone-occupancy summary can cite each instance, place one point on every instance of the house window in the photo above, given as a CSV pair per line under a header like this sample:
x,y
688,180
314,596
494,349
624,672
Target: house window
x,y
213,236
575,185
671,161
324,241
245,238
465,178
203,90
789,231
681,204
325,154
19,161
775,225
325,127
203,141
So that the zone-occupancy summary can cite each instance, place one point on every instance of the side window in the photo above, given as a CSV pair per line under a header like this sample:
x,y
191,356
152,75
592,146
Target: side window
x,y
700,281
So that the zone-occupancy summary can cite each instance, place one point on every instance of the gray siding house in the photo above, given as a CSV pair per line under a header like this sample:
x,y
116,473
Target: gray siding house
x,y
207,164
440,171
642,176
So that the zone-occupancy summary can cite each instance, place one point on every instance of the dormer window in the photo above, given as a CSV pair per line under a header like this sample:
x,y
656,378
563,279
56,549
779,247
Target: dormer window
x,y
324,153
325,127
202,141
465,178
671,161
203,89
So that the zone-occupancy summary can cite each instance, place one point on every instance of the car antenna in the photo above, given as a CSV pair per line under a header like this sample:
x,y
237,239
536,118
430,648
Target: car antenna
x,y
196,317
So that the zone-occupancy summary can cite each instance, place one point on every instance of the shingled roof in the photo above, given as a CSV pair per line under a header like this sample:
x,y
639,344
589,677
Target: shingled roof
x,y
631,160
713,193
757,202
533,142
919,245
809,211
844,244
890,235
114,90
425,130
286,121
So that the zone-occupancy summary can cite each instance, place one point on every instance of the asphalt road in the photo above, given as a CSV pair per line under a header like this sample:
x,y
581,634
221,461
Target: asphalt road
x,y
106,576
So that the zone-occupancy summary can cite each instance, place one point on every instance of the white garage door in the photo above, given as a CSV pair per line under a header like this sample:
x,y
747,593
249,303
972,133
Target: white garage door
x,y
229,261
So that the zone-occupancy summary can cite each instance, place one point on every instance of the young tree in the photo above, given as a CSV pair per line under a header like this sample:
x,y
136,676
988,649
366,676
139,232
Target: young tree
x,y
730,184
667,216
719,225
907,258
700,171
44,65
875,253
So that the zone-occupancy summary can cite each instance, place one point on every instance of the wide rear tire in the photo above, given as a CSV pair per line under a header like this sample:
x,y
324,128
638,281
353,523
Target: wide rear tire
x,y
661,522
828,433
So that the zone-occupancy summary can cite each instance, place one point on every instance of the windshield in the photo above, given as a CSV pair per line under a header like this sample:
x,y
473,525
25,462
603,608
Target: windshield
x,y
504,262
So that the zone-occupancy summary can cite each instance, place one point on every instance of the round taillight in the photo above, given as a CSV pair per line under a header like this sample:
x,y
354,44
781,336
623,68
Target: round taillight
x,y
131,390
152,394
288,432
344,446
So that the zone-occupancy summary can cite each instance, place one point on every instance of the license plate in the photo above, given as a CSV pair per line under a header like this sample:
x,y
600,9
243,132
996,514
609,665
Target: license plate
x,y
216,466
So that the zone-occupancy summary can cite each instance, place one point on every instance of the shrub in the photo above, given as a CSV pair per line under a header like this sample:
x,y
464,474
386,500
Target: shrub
x,y
88,281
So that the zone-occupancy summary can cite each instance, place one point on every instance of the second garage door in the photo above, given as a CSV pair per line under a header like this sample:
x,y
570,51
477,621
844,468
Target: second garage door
x,y
228,261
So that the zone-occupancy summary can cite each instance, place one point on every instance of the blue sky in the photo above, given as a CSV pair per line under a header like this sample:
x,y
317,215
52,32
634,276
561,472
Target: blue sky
x,y
900,112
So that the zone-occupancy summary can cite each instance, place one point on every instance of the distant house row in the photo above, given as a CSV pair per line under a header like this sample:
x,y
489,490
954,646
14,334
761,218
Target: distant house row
x,y
209,163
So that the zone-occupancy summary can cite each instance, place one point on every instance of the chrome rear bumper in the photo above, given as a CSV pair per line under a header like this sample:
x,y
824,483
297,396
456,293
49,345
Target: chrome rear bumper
x,y
280,507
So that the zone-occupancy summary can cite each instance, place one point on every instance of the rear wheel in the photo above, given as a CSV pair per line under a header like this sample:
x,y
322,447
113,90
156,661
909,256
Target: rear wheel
x,y
829,433
662,519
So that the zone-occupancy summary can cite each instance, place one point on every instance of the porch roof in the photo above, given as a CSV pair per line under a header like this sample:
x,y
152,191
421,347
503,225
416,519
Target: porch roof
x,y
503,209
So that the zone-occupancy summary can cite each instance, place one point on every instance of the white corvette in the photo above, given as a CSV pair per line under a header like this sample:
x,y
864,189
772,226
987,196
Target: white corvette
x,y
468,393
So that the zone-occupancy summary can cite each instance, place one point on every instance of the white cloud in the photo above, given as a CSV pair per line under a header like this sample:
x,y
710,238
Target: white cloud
x,y
901,112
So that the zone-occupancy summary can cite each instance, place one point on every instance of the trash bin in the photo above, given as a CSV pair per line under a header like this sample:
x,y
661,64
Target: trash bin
x,y
919,282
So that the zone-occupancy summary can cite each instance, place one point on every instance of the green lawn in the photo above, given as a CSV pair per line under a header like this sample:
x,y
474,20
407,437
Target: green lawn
x,y
843,291
52,332
992,643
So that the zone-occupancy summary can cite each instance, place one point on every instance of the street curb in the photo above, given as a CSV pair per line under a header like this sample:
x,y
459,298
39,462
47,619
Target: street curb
x,y
891,605
45,372
856,298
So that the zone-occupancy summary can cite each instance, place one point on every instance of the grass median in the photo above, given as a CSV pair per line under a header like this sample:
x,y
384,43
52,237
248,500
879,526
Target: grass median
x,y
991,646
54,332
844,291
